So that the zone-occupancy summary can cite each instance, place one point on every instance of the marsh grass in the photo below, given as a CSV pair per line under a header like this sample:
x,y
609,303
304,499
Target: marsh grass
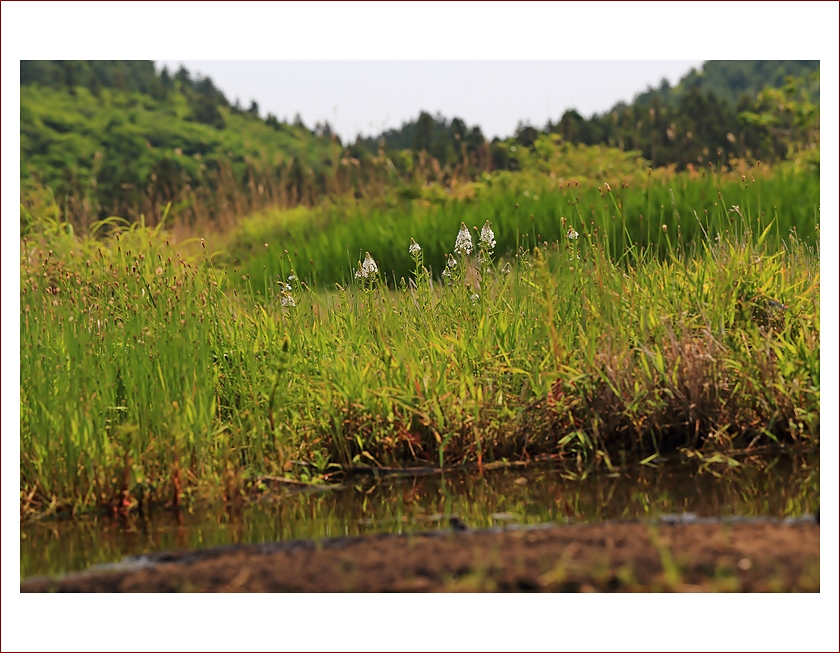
x,y
527,210
148,375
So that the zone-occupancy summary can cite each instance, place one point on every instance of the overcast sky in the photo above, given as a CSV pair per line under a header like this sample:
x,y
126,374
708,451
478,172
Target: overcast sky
x,y
368,97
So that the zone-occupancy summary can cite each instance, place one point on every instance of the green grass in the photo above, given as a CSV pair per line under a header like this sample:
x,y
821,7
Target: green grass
x,y
323,244
148,374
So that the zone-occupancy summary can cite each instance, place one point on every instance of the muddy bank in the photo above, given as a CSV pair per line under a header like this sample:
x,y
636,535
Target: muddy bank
x,y
670,555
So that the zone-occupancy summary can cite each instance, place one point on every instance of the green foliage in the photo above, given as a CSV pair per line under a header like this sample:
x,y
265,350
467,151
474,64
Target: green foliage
x,y
789,119
451,143
696,127
116,138
567,188
122,146
131,76
688,125
730,81
145,371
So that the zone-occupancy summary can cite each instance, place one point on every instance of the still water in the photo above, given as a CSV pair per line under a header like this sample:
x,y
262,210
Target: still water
x,y
782,487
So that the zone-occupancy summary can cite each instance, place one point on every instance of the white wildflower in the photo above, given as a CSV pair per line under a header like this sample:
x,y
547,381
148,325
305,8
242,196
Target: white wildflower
x,y
488,238
463,244
292,277
287,300
447,273
414,249
450,261
369,267
474,298
572,235
506,269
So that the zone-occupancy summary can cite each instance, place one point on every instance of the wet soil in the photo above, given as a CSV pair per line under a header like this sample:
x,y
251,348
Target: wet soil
x,y
668,555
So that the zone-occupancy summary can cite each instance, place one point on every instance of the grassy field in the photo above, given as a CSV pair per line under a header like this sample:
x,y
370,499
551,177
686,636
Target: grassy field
x,y
627,204
148,373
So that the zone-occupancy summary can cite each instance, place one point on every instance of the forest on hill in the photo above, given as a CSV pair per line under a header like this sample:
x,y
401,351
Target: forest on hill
x,y
101,138
712,113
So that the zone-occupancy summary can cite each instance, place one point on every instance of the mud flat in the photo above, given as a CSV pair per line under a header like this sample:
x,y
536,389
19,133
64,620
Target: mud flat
x,y
672,554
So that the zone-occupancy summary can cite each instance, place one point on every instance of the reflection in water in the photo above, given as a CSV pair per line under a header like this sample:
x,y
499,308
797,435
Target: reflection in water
x,y
783,487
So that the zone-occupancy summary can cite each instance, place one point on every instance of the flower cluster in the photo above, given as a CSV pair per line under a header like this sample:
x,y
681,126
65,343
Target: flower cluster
x,y
572,234
414,249
463,243
488,238
450,265
368,269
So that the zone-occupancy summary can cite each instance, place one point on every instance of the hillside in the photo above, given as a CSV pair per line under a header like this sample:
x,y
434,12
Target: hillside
x,y
116,138
102,138
731,81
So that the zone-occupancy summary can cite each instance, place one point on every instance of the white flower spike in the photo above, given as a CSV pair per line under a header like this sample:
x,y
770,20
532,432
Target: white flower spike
x,y
369,267
414,249
488,238
572,235
463,244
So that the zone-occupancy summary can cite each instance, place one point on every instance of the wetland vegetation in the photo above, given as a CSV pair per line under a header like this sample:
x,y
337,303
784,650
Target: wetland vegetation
x,y
148,371
576,302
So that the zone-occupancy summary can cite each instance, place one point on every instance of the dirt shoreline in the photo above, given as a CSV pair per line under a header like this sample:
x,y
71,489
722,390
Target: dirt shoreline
x,y
670,555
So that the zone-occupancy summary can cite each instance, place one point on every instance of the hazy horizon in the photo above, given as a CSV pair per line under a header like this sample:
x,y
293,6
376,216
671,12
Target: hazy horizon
x,y
369,97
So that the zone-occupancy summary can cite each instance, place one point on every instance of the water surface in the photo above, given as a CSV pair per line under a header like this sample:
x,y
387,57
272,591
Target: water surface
x,y
782,487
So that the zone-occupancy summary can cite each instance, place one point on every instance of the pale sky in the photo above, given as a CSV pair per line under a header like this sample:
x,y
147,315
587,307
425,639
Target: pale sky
x,y
368,97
